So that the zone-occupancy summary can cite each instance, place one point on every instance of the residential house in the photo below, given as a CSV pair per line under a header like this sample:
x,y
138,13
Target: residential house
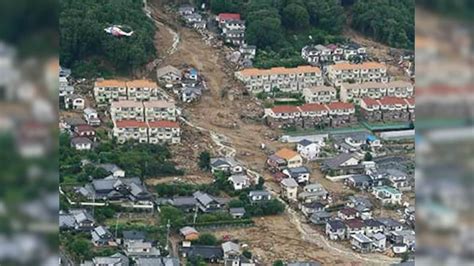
x,y
101,236
74,102
405,237
207,203
239,181
259,196
210,254
354,51
116,259
342,114
237,213
189,233
106,91
289,189
151,261
344,163
308,150
361,182
336,230
398,179
390,225
373,226
320,54
387,195
160,110
186,10
394,109
137,248
64,72
65,90
292,158
300,174
248,51
226,164
115,189
361,243
309,208
347,213
187,204
379,241
233,31
112,169
355,141
320,217
142,90
76,219
191,93
313,192
342,72
231,253
370,110
224,17
362,205
354,226
81,143
91,116
320,94
284,79
169,74
84,131
192,19
276,164
127,110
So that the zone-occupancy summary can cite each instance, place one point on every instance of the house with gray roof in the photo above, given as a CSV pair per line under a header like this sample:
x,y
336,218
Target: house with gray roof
x,y
237,213
101,236
226,164
289,189
239,181
320,217
313,192
361,243
157,261
187,204
336,230
116,259
112,169
362,181
309,208
343,164
115,189
169,73
300,174
211,254
81,143
207,203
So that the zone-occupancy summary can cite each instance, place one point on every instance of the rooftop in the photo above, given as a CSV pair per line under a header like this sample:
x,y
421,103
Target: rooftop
x,y
110,83
286,153
349,66
285,109
279,71
141,83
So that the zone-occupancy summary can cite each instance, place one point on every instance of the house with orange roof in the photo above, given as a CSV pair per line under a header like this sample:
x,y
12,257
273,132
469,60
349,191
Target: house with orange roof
x,y
283,116
314,115
160,110
370,109
142,90
394,109
292,158
342,72
108,90
285,79
127,110
130,130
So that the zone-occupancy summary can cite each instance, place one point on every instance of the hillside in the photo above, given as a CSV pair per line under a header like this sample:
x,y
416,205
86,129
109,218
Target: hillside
x,y
90,51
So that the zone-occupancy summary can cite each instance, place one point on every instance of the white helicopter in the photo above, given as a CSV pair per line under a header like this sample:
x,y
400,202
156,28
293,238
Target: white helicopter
x,y
118,31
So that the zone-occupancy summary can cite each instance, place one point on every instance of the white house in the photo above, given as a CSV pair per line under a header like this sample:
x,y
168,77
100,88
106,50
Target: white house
x,y
379,241
300,174
289,189
239,181
387,195
308,149
81,143
336,230
91,116
226,164
74,101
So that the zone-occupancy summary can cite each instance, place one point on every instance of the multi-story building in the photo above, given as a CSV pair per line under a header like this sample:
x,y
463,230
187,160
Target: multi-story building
x,y
388,109
130,130
357,73
342,114
153,132
127,110
356,91
160,110
285,79
320,94
316,54
142,90
311,115
106,91
163,132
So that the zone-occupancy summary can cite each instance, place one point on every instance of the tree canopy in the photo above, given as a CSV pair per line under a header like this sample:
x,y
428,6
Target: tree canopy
x,y
87,49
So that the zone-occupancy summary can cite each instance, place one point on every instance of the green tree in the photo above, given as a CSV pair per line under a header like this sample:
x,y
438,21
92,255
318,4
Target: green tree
x,y
207,239
205,160
80,248
327,15
278,263
368,157
175,216
295,17
247,254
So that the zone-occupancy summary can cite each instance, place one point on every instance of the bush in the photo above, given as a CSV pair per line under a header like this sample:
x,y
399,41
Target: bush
x,y
206,239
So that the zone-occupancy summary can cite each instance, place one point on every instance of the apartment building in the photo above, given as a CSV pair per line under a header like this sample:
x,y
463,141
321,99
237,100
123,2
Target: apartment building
x,y
285,79
388,109
357,73
106,91
142,90
156,132
130,130
310,115
163,132
127,110
160,110
316,54
375,90
341,114
320,94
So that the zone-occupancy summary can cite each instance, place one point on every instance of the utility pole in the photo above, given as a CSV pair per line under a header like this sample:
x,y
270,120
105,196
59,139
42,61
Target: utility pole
x,y
195,214
168,226
116,224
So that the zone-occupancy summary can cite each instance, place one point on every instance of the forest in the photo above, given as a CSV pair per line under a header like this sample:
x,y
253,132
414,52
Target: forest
x,y
90,51
280,28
